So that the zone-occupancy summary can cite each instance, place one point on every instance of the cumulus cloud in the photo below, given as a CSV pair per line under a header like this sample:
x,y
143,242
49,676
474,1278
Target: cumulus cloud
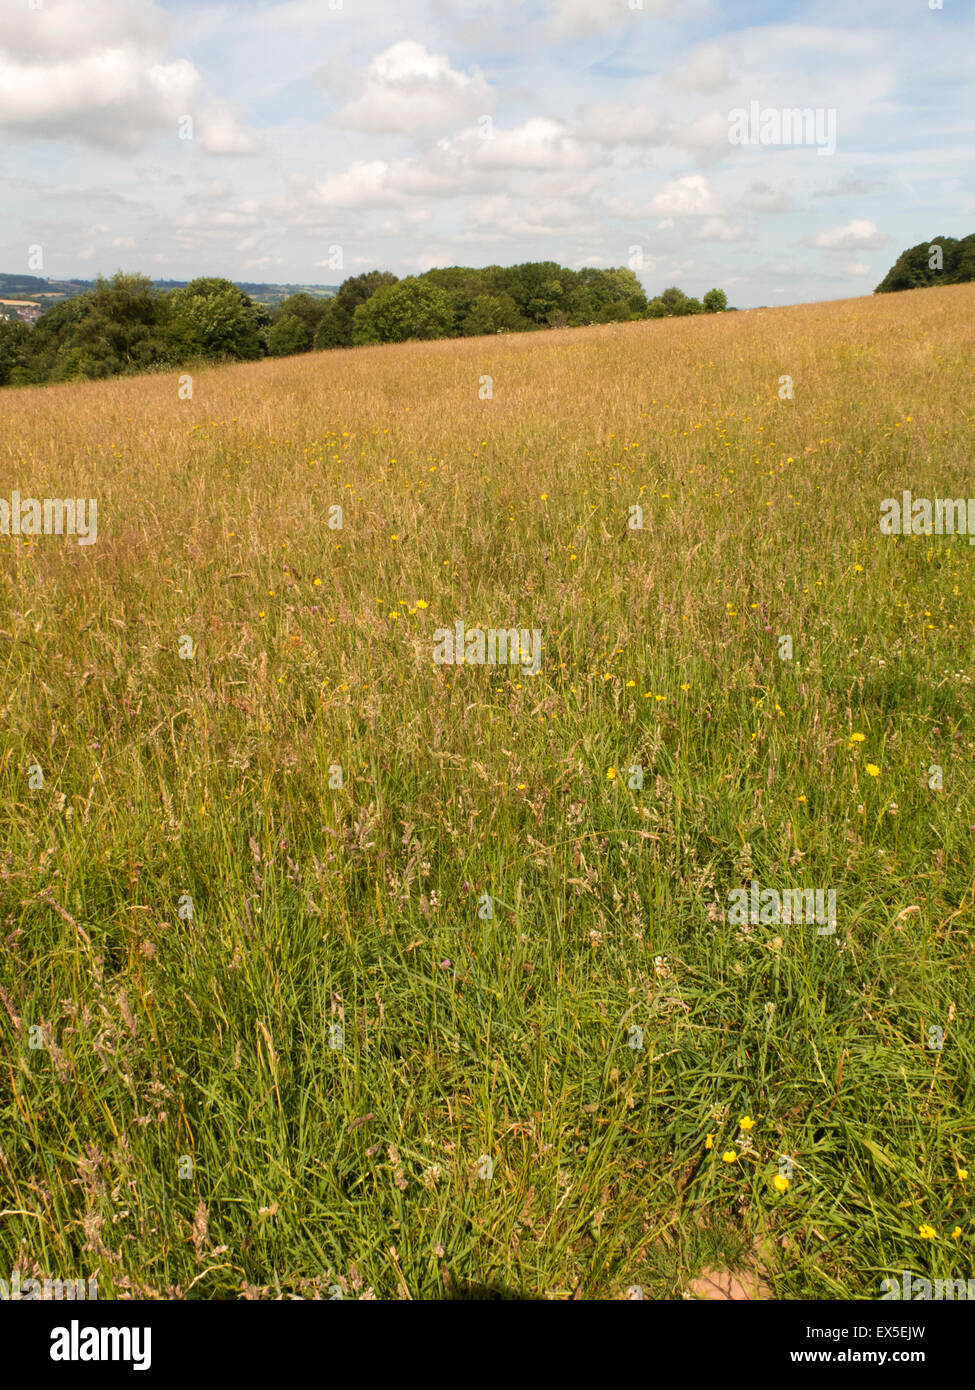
x,y
365,184
717,229
537,144
686,197
858,235
91,71
406,88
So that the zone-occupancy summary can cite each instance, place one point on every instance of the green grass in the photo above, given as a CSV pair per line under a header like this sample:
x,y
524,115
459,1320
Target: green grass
x,y
167,1037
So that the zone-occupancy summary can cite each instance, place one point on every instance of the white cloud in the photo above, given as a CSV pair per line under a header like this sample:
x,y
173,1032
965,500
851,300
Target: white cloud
x,y
856,235
408,89
218,132
686,197
114,97
92,71
717,229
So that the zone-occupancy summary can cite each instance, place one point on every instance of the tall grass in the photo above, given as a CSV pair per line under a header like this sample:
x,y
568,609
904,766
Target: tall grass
x,y
190,904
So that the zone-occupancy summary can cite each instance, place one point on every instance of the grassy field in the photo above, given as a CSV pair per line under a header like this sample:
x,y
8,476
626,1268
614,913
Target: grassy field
x,y
191,903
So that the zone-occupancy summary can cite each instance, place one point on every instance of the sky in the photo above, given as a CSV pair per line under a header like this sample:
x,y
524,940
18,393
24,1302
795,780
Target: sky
x,y
303,141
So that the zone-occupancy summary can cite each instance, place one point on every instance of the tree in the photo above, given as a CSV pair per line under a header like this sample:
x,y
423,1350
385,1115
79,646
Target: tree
x,y
308,311
332,331
715,302
211,317
490,313
14,336
409,309
941,261
673,303
116,328
287,335
336,324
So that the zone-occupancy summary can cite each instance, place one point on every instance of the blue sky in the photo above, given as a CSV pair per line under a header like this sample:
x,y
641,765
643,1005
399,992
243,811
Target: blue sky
x,y
334,136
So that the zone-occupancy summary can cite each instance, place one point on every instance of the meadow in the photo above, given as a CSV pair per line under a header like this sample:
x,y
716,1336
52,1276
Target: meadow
x,y
326,969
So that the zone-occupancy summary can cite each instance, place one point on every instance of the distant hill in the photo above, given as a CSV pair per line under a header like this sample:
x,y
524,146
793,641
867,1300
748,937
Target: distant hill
x,y
46,292
941,261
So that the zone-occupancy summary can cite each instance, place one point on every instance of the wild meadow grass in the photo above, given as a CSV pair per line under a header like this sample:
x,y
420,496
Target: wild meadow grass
x,y
190,904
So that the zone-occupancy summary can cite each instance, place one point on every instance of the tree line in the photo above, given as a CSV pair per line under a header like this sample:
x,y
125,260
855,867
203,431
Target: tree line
x,y
944,260
126,325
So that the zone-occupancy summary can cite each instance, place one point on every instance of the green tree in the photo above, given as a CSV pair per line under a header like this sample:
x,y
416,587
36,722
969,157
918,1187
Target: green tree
x,y
715,302
335,328
14,338
396,313
115,328
490,313
673,303
308,310
332,331
913,269
287,335
211,317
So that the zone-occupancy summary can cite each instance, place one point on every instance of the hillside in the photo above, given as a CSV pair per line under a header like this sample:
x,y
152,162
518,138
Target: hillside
x,y
333,946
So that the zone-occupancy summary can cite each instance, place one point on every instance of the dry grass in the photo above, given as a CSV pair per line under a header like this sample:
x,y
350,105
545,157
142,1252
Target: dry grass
x,y
207,1038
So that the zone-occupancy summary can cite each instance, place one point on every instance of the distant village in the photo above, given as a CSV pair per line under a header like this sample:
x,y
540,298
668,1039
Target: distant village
x,y
24,309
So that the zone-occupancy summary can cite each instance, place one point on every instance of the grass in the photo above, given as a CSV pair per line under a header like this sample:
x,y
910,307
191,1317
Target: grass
x,y
190,903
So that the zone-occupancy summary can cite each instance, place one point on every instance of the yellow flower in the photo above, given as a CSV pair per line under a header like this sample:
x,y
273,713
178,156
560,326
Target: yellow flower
x,y
422,603
780,1183
709,1142
858,738
394,614
746,1122
317,583
873,770
261,614
804,798
927,1232
728,1156
858,569
629,683
611,773
963,1173
956,1232
686,686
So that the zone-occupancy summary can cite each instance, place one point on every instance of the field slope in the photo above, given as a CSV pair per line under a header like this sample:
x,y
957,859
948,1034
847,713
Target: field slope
x,y
261,1031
